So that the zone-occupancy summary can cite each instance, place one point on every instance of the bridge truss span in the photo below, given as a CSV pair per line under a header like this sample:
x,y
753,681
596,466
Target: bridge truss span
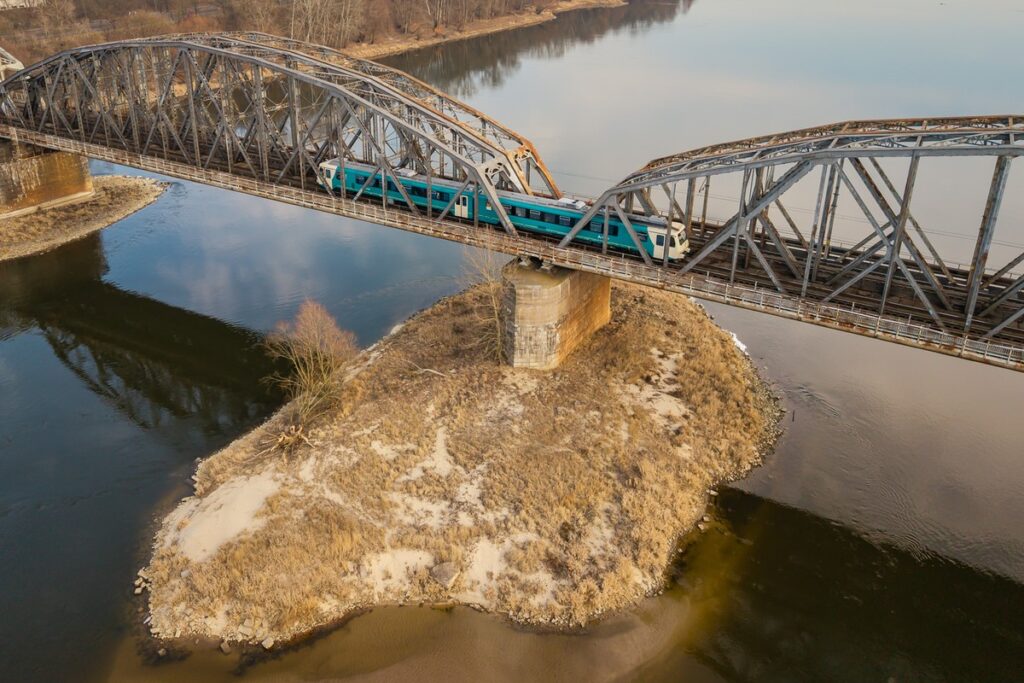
x,y
258,108
259,114
886,263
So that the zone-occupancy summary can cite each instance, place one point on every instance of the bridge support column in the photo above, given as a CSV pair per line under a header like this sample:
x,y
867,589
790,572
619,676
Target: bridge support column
x,y
32,178
546,313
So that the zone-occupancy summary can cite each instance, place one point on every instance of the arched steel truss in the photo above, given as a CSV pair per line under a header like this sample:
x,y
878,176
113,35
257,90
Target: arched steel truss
x,y
258,114
894,266
258,107
520,151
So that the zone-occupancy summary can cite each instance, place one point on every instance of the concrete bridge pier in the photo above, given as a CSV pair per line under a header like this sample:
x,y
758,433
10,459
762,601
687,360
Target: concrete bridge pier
x,y
32,178
548,312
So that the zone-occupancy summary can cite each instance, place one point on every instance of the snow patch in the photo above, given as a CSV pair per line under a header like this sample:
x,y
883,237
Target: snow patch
x,y
200,526
739,345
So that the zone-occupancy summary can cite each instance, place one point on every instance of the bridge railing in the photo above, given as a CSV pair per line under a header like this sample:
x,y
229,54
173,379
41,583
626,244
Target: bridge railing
x,y
863,322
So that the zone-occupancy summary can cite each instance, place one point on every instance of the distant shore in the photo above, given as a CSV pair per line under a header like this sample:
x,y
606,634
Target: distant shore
x,y
114,198
394,45
444,478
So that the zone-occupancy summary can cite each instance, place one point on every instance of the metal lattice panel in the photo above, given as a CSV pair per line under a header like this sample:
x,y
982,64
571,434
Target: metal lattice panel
x,y
895,265
258,114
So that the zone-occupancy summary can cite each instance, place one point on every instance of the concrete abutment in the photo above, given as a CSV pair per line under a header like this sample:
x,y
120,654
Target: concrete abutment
x,y
549,312
32,178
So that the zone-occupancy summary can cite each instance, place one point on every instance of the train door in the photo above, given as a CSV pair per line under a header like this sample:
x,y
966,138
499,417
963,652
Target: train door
x,y
462,206
657,242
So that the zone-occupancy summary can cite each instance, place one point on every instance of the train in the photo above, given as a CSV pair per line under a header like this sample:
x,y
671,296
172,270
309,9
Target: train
x,y
541,215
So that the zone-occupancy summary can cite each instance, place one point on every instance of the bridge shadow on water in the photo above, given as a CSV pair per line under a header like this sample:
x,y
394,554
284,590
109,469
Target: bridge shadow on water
x,y
155,363
780,594
106,399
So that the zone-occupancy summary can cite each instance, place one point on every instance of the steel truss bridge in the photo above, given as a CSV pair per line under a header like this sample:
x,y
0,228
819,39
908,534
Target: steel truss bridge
x,y
258,114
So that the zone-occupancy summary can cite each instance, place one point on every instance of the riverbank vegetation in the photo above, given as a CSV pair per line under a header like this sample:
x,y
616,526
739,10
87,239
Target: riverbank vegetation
x,y
440,476
371,27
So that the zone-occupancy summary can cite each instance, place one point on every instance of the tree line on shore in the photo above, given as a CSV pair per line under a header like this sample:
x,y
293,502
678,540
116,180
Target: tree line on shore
x,y
33,33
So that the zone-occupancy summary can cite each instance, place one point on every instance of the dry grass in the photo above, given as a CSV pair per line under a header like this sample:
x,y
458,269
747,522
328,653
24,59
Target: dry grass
x,y
115,198
557,496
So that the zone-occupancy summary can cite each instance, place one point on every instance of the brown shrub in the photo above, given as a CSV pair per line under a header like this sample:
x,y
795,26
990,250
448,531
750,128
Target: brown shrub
x,y
316,351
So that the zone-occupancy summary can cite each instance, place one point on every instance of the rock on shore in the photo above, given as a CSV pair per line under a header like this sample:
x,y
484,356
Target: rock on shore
x,y
446,478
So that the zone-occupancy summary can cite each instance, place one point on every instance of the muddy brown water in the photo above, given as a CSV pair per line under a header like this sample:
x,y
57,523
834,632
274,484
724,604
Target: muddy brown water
x,y
882,541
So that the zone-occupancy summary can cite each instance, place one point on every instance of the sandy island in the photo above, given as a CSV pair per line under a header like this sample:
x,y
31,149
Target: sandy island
x,y
548,497
115,197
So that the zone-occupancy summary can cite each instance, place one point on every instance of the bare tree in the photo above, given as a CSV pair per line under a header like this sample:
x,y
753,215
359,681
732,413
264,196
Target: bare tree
x,y
329,22
482,271
316,351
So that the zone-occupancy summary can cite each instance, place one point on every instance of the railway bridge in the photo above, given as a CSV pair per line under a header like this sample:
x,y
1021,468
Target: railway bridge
x,y
259,114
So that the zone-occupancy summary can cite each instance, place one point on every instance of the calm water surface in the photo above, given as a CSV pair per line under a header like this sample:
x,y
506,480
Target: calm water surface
x,y
883,541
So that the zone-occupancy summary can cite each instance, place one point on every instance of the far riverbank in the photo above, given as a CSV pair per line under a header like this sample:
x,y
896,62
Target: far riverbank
x,y
395,45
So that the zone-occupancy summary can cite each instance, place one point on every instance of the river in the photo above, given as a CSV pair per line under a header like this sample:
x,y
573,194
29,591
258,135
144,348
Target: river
x,y
882,541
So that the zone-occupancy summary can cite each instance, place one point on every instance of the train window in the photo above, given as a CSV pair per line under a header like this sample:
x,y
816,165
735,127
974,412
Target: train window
x,y
391,186
534,215
441,196
550,218
565,221
596,225
613,230
520,211
642,236
660,240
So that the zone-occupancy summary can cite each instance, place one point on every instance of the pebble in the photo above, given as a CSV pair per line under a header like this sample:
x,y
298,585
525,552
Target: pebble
x,y
161,652
267,643
700,525
712,492
138,591
224,647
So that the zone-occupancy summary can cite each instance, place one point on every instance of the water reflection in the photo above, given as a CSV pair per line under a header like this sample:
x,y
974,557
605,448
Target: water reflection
x,y
783,595
106,397
465,67
155,363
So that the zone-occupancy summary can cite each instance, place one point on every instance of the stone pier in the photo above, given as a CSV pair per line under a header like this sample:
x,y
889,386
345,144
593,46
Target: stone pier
x,y
548,312
32,178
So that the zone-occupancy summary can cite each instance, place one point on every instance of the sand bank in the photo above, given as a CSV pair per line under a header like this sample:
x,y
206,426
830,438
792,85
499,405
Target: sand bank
x,y
115,197
548,497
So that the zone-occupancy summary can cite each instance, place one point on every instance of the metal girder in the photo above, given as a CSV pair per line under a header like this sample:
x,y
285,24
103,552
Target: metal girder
x,y
260,114
254,109
985,233
895,266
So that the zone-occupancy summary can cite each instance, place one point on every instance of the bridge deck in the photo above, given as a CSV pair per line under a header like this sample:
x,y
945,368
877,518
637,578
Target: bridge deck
x,y
256,115
850,313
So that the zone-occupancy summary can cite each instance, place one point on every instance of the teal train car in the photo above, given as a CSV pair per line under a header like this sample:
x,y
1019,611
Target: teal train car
x,y
532,214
